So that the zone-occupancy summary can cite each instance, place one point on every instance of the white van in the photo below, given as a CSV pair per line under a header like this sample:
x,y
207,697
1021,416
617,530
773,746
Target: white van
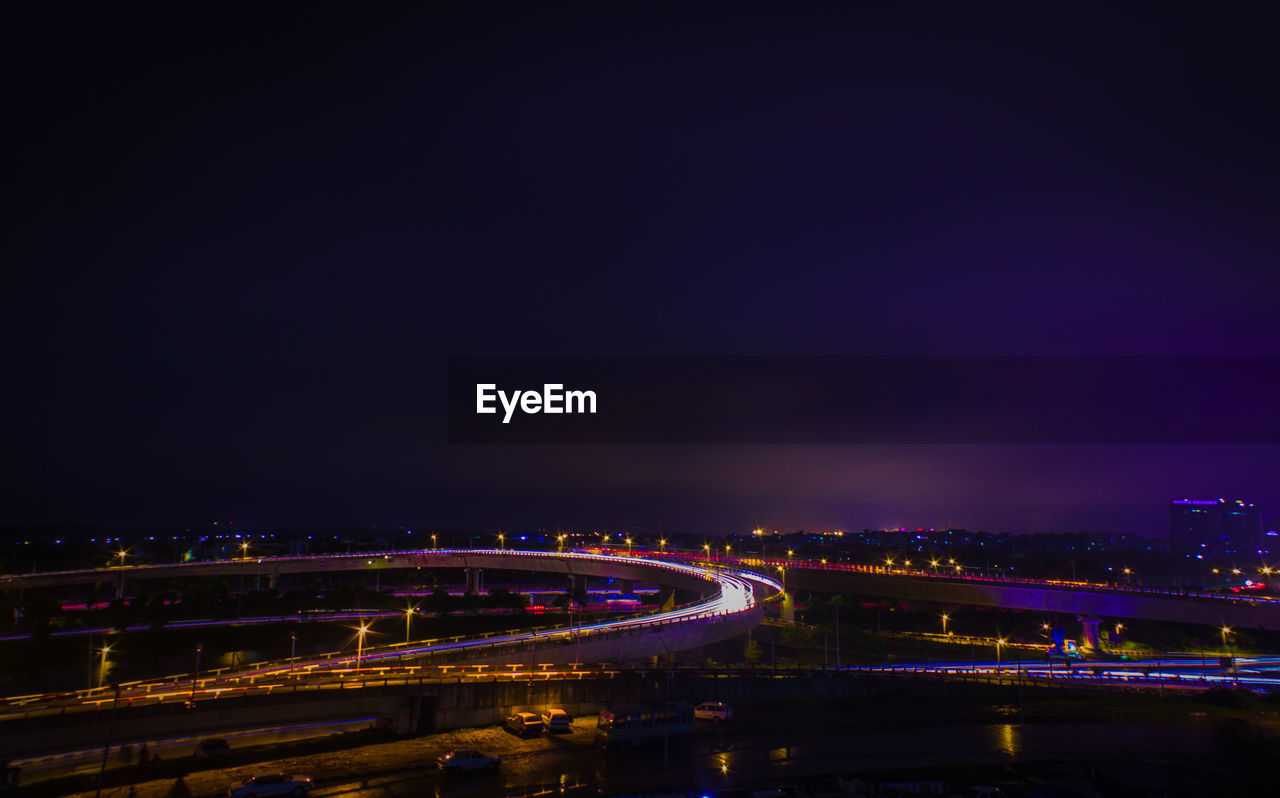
x,y
556,721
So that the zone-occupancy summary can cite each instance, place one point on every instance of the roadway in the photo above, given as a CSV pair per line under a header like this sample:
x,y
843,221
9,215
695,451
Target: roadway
x,y
1084,599
728,611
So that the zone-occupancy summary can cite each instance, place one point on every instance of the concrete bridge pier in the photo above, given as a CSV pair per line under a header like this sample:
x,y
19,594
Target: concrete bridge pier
x,y
475,581
271,581
577,585
627,585
1089,632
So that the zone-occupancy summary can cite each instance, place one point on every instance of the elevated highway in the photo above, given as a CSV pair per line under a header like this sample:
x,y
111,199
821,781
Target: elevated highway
x,y
1085,600
731,604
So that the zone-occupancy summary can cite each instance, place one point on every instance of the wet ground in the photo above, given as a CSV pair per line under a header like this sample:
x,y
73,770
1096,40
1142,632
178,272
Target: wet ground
x,y
764,743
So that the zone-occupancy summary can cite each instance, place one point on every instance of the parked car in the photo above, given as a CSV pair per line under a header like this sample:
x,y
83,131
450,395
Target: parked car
x,y
466,759
524,724
272,784
213,748
556,721
713,710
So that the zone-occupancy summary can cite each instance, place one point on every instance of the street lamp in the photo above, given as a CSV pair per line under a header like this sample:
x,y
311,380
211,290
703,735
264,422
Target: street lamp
x,y
1226,630
790,553
502,544
726,551
662,543
560,542
102,670
999,642
433,542
934,563
628,547
408,619
244,549
122,554
945,618
364,627
707,548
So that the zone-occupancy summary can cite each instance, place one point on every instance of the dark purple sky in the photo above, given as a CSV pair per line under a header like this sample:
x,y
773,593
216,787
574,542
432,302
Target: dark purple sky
x,y
241,247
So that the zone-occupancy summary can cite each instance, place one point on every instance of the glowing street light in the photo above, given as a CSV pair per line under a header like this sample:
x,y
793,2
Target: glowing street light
x,y
999,643
102,669
662,542
945,618
560,542
408,618
122,554
934,565
707,548
790,553
628,547
727,548
244,549
364,628
433,542
1226,630
502,541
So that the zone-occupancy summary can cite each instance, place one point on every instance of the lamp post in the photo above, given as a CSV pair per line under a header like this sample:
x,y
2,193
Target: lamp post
x,y
628,547
560,543
293,645
433,542
364,627
727,549
195,673
707,548
999,643
408,619
102,669
662,544
502,542
945,618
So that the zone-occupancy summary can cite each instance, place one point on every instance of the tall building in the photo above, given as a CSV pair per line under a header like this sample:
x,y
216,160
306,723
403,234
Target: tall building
x,y
1214,528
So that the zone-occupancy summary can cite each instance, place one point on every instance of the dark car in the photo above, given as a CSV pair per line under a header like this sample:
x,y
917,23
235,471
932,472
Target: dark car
x,y
213,748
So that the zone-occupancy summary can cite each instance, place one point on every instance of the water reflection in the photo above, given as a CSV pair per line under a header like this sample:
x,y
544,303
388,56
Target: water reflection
x,y
1008,739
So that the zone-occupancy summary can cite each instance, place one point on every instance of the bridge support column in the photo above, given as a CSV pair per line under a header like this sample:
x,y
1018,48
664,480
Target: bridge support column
x,y
271,581
475,581
120,587
1089,632
577,585
627,585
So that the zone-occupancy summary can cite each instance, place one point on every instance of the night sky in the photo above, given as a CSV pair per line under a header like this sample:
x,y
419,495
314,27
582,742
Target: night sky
x,y
240,248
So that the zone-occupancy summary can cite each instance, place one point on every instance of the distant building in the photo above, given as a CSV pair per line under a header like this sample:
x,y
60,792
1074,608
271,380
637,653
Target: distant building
x,y
1214,528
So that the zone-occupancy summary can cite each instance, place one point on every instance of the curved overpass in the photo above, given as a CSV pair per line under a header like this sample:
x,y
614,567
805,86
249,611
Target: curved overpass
x,y
568,564
730,606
